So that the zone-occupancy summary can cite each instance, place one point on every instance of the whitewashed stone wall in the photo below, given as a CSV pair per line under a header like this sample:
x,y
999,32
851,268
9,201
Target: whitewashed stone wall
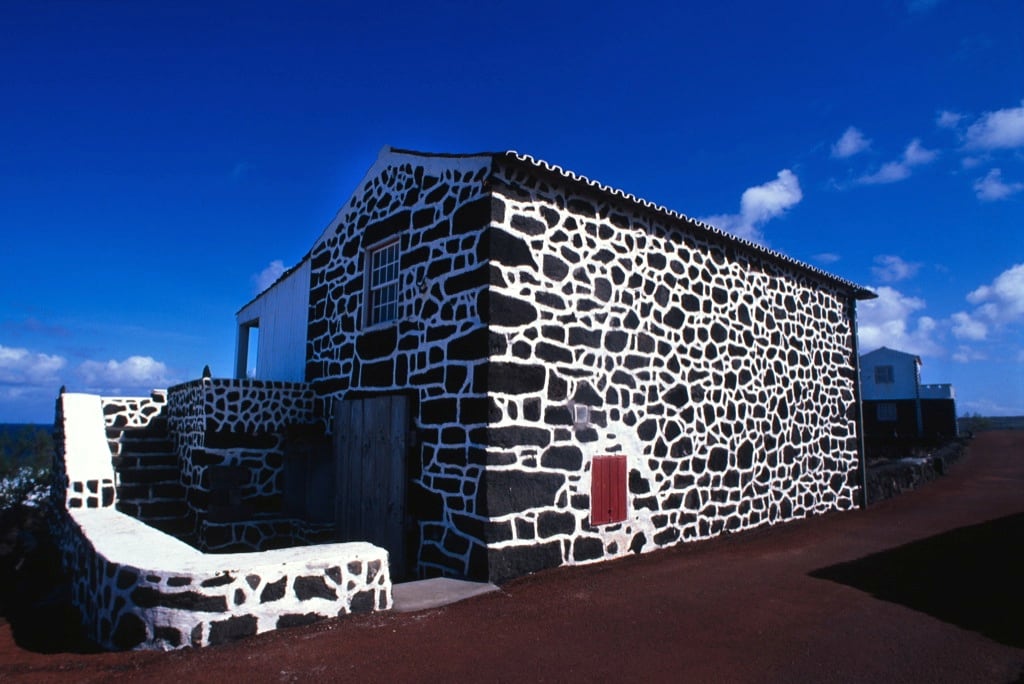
x,y
137,587
437,208
724,374
140,588
230,438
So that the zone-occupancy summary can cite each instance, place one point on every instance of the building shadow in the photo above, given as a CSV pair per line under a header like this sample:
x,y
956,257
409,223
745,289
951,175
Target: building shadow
x,y
972,577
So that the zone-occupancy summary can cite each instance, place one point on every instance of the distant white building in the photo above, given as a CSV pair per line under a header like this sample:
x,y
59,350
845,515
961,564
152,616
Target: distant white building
x,y
897,405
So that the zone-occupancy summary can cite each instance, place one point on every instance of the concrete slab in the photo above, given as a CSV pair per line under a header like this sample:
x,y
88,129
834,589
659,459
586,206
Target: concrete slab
x,y
432,593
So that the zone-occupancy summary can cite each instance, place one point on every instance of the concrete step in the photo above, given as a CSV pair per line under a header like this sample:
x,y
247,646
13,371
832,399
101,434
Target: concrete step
x,y
432,593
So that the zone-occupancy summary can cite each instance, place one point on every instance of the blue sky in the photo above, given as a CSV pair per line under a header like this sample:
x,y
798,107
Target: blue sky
x,y
158,159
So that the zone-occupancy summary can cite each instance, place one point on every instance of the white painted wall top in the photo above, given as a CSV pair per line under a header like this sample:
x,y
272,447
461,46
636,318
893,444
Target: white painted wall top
x,y
84,426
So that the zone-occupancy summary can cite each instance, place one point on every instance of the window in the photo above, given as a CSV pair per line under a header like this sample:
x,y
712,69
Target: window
x,y
382,288
607,490
884,375
887,412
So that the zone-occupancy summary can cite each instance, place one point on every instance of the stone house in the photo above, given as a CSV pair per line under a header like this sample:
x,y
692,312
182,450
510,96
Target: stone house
x,y
518,368
897,406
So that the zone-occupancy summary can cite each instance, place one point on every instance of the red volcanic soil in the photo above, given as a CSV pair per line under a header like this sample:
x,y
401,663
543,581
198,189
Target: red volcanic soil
x,y
924,587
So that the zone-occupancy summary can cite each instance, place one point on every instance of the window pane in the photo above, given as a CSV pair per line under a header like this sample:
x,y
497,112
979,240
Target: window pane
x,y
382,293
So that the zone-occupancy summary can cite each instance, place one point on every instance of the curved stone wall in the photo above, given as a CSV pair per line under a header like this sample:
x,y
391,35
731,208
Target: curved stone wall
x,y
137,587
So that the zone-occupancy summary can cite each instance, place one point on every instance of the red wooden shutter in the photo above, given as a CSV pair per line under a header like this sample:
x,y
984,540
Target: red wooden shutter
x,y
607,490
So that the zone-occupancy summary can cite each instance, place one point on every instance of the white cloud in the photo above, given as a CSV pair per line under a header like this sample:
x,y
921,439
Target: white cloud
x,y
914,155
992,188
887,322
890,172
826,258
850,143
1001,129
134,372
965,354
948,119
966,327
890,268
1002,301
971,162
269,275
23,367
760,204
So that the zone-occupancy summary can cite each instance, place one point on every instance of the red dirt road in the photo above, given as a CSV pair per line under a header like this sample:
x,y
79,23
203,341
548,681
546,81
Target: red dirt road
x,y
735,609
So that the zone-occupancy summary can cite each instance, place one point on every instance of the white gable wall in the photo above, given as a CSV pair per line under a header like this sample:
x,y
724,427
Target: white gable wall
x,y
281,314
905,375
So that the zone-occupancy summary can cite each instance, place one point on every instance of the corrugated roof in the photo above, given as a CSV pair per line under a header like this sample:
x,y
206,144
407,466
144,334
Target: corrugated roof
x,y
856,290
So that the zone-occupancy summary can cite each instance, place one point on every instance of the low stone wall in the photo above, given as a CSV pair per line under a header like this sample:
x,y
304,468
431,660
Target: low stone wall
x,y
888,479
140,588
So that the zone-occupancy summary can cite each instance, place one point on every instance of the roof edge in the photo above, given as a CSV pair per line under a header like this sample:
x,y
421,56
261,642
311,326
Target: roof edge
x,y
857,291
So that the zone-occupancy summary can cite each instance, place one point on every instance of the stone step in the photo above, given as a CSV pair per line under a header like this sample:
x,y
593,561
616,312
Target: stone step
x,y
149,475
145,446
131,460
151,491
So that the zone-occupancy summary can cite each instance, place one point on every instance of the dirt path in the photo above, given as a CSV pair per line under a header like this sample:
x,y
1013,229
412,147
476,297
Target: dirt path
x,y
744,608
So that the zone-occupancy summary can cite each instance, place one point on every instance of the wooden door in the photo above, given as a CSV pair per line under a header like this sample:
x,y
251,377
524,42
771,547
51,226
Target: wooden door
x,y
370,453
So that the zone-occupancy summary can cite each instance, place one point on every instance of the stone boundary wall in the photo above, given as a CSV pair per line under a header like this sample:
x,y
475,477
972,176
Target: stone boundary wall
x,y
230,438
137,587
140,588
891,478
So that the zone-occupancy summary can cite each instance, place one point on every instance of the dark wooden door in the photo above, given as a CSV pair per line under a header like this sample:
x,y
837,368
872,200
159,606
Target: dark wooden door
x,y
370,452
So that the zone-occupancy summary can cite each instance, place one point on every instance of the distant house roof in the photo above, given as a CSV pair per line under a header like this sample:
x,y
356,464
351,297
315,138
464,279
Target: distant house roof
x,y
886,352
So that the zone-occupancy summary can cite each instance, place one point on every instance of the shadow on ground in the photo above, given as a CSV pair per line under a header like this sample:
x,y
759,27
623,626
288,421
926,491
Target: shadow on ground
x,y
972,577
35,594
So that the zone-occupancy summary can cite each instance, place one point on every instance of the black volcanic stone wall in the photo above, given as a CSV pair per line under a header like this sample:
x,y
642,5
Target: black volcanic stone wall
x,y
437,209
229,436
725,378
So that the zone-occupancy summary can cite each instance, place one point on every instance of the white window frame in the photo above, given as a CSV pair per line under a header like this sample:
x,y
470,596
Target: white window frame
x,y
383,271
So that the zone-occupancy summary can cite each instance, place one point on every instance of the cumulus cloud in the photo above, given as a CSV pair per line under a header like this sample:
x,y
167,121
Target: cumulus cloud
x,y
760,204
964,354
134,372
914,155
268,276
890,268
1002,301
850,143
888,322
1001,129
965,327
992,188
947,119
23,367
